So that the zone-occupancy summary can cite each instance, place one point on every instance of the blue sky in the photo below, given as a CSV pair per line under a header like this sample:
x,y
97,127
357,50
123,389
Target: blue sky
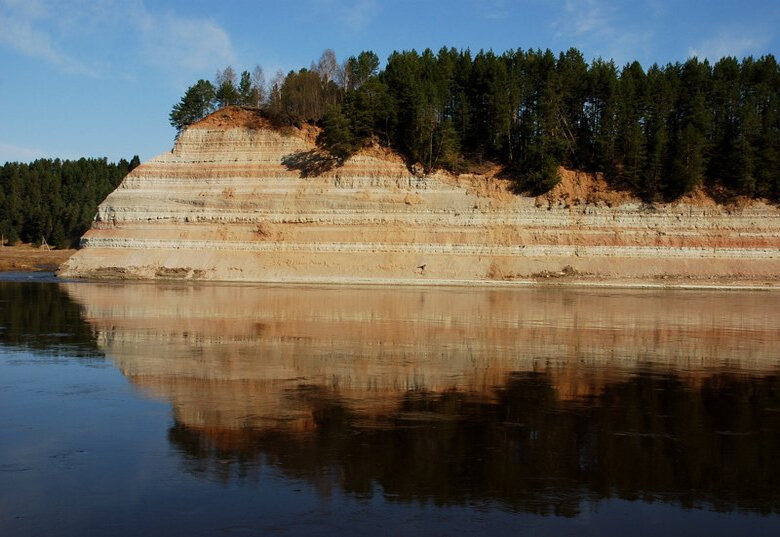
x,y
99,77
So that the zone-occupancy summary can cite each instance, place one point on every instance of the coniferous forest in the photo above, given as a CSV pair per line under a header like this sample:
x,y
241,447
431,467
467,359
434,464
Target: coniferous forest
x,y
55,200
661,132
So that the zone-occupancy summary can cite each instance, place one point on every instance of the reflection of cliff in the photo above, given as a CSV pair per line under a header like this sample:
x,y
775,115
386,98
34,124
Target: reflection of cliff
x,y
227,354
535,397
649,437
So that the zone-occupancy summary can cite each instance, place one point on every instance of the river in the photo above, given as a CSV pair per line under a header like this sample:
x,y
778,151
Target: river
x,y
179,409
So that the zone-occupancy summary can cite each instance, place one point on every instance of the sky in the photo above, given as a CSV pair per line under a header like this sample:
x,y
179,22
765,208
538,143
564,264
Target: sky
x,y
98,78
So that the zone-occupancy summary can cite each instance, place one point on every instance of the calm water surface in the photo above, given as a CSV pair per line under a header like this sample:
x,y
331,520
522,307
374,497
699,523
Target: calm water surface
x,y
154,409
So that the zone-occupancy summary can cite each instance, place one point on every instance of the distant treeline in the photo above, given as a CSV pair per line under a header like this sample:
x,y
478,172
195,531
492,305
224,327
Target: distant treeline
x,y
661,132
55,200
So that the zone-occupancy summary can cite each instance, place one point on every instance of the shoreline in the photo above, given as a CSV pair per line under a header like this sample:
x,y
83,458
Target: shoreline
x,y
18,261
49,276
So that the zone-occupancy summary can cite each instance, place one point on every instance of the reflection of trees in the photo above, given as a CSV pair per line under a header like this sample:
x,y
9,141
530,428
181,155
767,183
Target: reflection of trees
x,y
652,438
40,316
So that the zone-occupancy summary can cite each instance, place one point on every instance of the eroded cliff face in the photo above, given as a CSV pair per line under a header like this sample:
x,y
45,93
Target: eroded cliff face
x,y
238,200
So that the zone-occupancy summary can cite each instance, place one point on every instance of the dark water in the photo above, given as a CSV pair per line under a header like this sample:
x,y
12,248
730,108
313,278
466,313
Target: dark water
x,y
140,409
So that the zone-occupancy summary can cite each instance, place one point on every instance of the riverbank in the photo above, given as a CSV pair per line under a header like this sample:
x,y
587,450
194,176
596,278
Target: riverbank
x,y
27,258
47,273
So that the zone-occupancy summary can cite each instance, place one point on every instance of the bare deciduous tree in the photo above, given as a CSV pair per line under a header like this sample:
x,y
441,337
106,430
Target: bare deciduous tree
x,y
328,67
274,101
228,75
258,84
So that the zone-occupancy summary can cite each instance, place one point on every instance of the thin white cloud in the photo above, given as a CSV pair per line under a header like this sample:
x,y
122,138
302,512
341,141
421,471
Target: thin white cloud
x,y
183,44
23,30
27,8
17,153
354,15
360,14
583,18
59,32
587,17
729,43
493,9
598,26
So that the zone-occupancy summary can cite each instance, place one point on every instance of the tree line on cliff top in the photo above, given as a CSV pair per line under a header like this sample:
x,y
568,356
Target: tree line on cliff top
x,y
661,132
55,200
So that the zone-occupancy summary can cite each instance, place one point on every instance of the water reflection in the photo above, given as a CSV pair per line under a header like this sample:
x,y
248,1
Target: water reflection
x,y
650,437
40,317
536,400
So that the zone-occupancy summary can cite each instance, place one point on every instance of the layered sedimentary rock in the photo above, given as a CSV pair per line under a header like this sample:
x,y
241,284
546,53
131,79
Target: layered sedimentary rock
x,y
238,200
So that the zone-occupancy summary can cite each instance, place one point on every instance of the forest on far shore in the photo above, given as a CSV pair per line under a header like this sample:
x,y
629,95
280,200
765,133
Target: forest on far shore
x,y
661,132
55,200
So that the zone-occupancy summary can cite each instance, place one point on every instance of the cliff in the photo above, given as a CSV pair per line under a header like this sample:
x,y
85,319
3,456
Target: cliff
x,y
239,200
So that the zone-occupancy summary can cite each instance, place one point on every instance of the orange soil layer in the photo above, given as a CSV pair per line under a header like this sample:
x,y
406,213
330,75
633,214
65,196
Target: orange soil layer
x,y
232,117
236,117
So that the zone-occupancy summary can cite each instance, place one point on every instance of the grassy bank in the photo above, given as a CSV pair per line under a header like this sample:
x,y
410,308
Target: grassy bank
x,y
29,258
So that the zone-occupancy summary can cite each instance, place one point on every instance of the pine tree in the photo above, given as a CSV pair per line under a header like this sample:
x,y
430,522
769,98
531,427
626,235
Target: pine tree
x,y
358,70
336,136
246,90
197,102
690,141
227,91
630,137
572,79
764,82
601,114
